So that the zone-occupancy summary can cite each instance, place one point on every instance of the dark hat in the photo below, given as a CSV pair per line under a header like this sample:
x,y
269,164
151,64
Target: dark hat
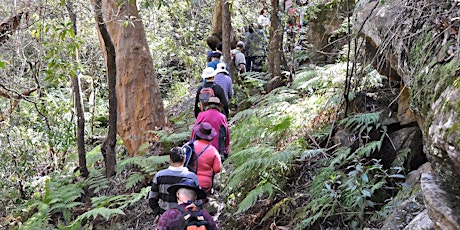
x,y
216,54
205,131
188,184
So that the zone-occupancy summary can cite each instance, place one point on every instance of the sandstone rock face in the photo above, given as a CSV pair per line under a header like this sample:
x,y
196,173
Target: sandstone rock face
x,y
415,41
439,210
444,131
323,28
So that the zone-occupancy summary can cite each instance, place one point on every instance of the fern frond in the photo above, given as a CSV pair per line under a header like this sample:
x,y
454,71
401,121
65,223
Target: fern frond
x,y
101,211
254,196
368,149
40,219
97,180
361,122
93,156
310,153
134,179
282,207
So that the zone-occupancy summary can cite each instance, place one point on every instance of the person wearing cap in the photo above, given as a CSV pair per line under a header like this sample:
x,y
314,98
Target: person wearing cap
x,y
218,121
239,59
215,59
186,193
209,162
159,198
208,82
221,78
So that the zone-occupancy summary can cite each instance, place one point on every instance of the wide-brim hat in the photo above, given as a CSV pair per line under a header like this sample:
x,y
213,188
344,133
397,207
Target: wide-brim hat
x,y
205,131
188,184
208,72
221,68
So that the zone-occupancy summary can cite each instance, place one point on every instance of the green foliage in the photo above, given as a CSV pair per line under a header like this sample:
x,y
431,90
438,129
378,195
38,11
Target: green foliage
x,y
362,122
93,213
59,199
147,165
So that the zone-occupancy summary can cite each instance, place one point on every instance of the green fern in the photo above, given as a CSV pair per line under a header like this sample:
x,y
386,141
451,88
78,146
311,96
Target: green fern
x,y
255,194
93,213
97,180
149,165
283,207
362,122
40,219
134,179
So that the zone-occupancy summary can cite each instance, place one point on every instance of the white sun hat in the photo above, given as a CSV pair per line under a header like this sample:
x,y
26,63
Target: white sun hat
x,y
208,72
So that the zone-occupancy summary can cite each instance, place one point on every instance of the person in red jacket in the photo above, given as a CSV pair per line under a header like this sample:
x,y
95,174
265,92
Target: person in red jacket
x,y
213,116
209,162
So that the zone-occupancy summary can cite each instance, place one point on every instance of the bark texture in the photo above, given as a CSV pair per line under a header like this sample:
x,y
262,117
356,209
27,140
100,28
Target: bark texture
x,y
108,147
140,106
274,50
78,103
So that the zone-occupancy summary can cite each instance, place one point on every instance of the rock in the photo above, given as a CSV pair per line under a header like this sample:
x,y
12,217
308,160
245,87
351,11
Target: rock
x,y
324,28
409,202
407,138
438,206
405,114
444,132
373,21
404,213
413,178
421,222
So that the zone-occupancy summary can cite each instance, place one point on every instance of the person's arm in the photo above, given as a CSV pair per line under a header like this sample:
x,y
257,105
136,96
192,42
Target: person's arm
x,y
217,165
227,140
242,68
154,197
197,99
219,92
209,219
230,85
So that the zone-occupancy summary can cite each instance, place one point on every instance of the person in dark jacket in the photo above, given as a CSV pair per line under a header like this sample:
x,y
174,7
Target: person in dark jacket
x,y
208,82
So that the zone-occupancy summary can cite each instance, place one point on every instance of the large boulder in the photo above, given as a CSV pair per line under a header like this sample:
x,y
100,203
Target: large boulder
x,y
417,42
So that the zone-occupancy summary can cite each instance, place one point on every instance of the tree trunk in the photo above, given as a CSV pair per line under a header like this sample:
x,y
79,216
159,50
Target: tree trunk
x,y
227,39
108,147
216,30
140,106
78,103
274,51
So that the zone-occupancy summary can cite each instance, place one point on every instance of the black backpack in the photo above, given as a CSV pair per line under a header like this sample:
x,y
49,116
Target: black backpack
x,y
191,158
192,219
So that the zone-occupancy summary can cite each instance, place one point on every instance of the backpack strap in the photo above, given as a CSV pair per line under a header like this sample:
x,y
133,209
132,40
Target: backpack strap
x,y
198,155
189,156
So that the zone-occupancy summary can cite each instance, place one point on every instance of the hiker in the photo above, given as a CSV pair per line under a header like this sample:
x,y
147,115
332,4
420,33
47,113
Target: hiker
x,y
239,59
217,91
215,59
263,21
222,78
186,212
159,198
255,45
209,162
218,121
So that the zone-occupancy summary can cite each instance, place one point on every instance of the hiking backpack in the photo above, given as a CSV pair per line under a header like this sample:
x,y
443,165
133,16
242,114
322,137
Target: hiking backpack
x,y
205,94
191,158
192,219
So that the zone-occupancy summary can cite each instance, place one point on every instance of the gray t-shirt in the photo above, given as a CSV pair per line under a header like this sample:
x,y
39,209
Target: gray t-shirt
x,y
239,59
